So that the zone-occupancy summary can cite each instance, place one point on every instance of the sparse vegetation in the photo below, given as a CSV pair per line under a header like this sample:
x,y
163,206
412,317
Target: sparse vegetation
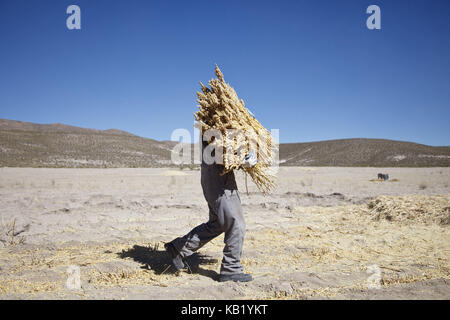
x,y
8,233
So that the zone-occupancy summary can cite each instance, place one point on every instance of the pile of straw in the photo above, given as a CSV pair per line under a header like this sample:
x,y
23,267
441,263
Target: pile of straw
x,y
221,109
417,208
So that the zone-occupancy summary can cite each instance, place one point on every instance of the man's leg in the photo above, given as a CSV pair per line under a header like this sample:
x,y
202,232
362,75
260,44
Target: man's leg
x,y
198,236
230,215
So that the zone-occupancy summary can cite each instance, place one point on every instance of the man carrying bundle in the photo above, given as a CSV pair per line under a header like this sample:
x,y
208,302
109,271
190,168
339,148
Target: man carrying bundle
x,y
223,114
225,215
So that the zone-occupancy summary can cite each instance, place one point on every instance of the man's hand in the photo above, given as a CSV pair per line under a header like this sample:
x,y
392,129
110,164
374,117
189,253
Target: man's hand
x,y
250,160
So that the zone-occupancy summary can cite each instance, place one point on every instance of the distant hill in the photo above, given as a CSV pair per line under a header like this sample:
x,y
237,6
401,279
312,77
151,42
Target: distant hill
x,y
364,152
25,144
54,127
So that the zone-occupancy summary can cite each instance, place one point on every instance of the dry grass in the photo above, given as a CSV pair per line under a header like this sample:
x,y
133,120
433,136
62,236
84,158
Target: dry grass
x,y
90,258
345,239
339,240
418,208
380,180
27,287
8,233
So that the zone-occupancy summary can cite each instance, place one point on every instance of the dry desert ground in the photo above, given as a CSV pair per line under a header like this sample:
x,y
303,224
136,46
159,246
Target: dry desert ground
x,y
325,233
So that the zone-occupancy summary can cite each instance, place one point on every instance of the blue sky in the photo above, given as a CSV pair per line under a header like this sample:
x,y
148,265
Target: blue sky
x,y
309,68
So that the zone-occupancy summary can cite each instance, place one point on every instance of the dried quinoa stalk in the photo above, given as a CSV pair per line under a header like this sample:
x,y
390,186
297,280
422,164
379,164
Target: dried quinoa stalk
x,y
221,109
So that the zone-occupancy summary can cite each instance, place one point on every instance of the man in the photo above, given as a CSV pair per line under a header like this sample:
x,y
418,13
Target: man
x,y
225,215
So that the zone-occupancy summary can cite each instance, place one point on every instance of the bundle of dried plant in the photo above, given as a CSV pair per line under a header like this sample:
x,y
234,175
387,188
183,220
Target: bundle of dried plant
x,y
221,111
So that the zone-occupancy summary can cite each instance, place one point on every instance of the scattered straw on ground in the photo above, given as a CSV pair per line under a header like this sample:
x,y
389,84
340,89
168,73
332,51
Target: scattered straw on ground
x,y
341,241
418,208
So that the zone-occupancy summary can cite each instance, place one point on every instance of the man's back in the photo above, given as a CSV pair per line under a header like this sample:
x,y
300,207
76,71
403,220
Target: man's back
x,y
213,183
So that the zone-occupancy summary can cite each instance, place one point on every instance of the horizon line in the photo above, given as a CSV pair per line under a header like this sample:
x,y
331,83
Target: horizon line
x,y
168,140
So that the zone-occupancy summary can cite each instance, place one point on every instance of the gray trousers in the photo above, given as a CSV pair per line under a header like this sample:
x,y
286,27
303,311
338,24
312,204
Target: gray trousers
x,y
225,215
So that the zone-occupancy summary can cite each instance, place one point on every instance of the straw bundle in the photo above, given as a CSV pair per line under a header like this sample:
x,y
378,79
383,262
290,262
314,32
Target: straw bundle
x,y
420,208
222,110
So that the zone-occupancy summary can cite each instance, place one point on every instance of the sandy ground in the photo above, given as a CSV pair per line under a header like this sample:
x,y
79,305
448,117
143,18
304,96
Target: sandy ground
x,y
313,238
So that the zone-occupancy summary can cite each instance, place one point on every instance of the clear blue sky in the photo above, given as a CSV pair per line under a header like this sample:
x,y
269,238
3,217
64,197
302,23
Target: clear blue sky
x,y
309,68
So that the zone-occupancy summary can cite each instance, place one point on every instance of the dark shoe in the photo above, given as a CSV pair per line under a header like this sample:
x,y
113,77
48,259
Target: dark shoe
x,y
177,261
238,277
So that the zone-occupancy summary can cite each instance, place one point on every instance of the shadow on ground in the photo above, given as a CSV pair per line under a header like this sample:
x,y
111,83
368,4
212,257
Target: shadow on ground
x,y
159,261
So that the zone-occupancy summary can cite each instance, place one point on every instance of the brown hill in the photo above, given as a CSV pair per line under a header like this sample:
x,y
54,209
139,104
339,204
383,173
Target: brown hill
x,y
364,152
54,127
25,144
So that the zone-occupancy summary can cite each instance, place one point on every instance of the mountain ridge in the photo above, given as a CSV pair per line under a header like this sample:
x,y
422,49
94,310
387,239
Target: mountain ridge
x,y
27,144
